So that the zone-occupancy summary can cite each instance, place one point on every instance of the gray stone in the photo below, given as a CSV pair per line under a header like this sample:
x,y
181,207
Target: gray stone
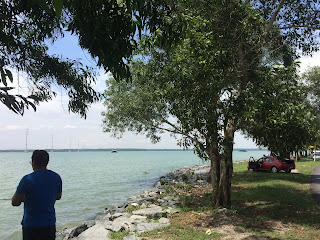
x,y
119,223
226,211
129,226
138,217
146,227
157,184
78,230
97,232
154,212
134,204
164,221
170,203
172,210
132,237
104,217
119,214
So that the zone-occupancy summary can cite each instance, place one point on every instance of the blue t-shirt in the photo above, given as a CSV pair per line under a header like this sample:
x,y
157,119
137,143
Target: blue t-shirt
x,y
40,189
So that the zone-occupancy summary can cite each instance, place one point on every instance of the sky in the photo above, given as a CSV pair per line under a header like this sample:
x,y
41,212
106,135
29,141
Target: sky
x,y
53,126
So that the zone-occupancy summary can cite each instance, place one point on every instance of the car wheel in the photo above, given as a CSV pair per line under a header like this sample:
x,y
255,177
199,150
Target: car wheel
x,y
288,171
274,170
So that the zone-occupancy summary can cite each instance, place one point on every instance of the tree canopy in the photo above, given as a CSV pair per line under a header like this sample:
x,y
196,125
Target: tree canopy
x,y
107,29
235,60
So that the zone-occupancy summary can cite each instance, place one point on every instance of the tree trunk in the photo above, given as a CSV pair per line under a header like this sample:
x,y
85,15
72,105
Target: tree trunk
x,y
215,160
221,171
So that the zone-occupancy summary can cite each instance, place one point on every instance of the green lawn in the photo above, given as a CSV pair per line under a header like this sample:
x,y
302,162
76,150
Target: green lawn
x,y
274,206
261,198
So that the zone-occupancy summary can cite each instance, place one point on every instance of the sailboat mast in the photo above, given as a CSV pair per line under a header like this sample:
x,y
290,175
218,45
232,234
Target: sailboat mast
x,y
27,132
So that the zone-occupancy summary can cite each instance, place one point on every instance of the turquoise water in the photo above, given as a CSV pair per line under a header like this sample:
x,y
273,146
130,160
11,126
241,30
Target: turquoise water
x,y
92,181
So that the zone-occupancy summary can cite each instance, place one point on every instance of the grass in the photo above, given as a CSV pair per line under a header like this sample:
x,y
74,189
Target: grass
x,y
274,206
264,199
118,235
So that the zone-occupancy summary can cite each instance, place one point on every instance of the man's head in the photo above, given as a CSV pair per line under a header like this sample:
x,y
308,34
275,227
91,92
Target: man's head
x,y
40,159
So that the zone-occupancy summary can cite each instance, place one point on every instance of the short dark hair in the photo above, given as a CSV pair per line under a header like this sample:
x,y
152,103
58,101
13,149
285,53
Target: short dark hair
x,y
40,158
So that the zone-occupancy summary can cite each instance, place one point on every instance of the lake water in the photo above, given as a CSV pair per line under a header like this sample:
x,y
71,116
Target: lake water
x,y
92,181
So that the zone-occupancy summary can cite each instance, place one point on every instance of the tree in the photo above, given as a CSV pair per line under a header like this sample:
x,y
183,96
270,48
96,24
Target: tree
x,y
25,27
107,29
311,81
282,119
209,82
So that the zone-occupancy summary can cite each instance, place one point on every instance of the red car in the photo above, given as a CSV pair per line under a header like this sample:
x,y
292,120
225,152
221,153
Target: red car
x,y
270,163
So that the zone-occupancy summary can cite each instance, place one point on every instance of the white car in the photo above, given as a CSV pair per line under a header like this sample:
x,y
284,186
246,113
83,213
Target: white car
x,y
316,155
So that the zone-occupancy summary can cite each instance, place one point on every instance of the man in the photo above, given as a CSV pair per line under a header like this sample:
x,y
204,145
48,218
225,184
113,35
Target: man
x,y
39,191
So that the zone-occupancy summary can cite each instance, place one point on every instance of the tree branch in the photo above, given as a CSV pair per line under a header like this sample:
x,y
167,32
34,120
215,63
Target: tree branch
x,y
297,26
273,18
178,131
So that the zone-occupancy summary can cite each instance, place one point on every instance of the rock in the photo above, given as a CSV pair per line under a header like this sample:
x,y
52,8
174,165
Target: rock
x,y
157,184
131,237
135,217
117,224
119,214
172,210
143,205
78,230
226,211
134,205
105,217
65,234
170,203
129,226
164,221
145,227
154,212
97,232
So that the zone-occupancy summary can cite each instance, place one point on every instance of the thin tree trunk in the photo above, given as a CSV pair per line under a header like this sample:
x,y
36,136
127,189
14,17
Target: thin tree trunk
x,y
215,160
222,170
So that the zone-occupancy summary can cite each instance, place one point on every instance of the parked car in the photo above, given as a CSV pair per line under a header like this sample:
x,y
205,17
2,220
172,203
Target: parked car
x,y
316,155
271,163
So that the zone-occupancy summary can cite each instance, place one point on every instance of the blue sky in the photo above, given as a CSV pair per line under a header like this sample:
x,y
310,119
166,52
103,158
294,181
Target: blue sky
x,y
52,120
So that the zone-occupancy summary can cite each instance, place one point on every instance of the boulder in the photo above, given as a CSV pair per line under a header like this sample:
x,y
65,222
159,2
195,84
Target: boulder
x,y
132,237
97,232
119,214
117,224
138,217
154,212
164,221
146,227
78,230
172,210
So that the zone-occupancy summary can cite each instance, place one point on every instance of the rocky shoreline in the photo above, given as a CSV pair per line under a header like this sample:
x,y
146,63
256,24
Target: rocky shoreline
x,y
147,210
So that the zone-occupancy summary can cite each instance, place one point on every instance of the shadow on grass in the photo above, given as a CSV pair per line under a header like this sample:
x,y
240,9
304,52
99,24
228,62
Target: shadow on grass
x,y
261,199
275,198
249,177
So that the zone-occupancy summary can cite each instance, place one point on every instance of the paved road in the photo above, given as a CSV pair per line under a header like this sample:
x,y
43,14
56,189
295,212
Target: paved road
x,y
315,184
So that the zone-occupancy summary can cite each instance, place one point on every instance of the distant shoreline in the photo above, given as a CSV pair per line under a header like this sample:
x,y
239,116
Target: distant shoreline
x,y
119,149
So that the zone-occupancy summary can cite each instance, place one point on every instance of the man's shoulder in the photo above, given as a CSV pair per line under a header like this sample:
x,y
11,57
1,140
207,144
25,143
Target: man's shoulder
x,y
27,176
53,173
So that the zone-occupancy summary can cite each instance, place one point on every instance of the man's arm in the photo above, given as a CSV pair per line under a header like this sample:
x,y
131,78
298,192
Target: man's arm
x,y
59,194
17,199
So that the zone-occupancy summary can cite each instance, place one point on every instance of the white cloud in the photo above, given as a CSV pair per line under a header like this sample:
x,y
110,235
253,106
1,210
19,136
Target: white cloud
x,y
14,127
69,126
308,61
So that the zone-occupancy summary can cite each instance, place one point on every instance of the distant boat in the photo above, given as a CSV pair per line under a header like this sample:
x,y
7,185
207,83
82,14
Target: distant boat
x,y
242,150
114,151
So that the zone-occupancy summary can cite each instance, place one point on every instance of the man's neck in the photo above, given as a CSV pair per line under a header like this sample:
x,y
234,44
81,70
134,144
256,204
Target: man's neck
x,y
39,168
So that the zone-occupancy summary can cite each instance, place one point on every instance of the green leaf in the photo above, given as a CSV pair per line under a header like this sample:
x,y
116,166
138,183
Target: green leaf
x,y
3,77
9,74
58,4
